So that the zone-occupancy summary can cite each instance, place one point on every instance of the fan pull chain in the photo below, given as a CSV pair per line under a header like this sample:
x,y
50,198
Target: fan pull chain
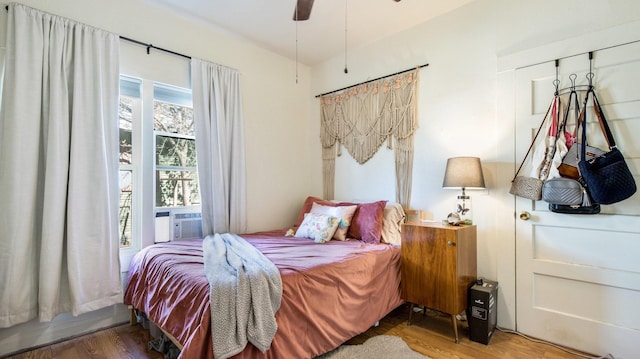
x,y
296,46
296,43
346,71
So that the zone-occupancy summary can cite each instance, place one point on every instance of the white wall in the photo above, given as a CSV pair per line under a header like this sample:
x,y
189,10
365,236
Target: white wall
x,y
458,109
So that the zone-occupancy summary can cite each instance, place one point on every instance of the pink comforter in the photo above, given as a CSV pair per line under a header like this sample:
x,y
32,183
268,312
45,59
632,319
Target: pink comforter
x,y
331,292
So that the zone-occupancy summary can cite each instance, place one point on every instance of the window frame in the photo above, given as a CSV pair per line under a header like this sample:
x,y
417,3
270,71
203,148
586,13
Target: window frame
x,y
143,158
126,253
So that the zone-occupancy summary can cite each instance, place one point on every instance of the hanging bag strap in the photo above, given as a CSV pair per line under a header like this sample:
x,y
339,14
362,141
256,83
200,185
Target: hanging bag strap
x,y
535,137
604,127
573,99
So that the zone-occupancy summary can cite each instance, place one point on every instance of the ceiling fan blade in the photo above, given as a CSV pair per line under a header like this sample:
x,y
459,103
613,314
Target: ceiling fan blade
x,y
302,10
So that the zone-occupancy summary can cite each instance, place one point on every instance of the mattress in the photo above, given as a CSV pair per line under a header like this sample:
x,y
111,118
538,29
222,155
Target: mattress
x,y
331,292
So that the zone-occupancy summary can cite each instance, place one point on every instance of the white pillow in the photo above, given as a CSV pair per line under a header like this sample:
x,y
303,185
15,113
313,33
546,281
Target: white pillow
x,y
345,213
318,227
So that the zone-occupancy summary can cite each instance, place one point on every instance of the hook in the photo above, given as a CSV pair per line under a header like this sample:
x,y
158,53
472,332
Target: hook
x,y
149,48
556,82
590,75
572,78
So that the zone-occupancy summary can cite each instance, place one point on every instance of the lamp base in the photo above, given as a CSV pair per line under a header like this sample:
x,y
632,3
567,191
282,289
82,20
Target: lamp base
x,y
463,209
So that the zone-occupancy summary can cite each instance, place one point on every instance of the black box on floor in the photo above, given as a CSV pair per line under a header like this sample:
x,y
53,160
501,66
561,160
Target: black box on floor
x,y
482,310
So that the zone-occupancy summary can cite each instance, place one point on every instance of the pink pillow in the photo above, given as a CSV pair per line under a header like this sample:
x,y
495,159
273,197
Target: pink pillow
x,y
366,224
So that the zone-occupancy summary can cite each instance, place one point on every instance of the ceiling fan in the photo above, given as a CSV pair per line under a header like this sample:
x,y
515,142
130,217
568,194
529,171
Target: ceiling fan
x,y
303,9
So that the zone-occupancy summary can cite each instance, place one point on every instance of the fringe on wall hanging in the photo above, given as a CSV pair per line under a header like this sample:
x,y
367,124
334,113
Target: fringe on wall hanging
x,y
362,118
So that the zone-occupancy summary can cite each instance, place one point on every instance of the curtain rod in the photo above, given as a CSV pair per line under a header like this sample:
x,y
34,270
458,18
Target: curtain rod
x,y
378,78
150,46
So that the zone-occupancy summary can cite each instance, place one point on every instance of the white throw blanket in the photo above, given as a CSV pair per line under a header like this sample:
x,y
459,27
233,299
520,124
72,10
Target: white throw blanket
x,y
246,291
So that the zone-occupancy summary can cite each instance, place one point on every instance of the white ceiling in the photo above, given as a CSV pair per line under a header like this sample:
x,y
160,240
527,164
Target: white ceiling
x,y
269,23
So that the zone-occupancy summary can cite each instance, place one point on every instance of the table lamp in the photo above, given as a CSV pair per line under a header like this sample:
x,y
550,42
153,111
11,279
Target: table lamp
x,y
463,173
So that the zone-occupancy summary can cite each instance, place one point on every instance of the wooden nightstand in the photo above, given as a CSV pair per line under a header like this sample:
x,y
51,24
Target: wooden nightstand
x,y
438,267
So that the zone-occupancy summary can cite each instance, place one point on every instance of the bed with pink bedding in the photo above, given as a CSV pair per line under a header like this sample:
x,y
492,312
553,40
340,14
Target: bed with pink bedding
x,y
330,292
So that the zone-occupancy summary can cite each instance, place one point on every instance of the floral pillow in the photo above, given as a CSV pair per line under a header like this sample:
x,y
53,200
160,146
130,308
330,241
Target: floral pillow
x,y
319,227
344,213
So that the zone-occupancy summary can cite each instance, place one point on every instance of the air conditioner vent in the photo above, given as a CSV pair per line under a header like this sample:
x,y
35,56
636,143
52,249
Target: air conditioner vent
x,y
187,226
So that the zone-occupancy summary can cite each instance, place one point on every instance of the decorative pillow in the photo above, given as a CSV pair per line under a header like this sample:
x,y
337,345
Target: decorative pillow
x,y
318,227
345,213
392,220
366,224
308,203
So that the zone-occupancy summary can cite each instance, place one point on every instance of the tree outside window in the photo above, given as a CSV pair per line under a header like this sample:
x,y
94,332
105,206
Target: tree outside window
x,y
175,150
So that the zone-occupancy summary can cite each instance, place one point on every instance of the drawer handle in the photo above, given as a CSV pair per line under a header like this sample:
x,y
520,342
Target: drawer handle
x,y
451,243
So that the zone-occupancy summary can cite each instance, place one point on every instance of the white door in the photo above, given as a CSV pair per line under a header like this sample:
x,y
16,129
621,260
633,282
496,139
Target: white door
x,y
578,276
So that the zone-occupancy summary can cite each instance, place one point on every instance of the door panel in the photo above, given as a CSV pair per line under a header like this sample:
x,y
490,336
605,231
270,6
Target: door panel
x,y
578,277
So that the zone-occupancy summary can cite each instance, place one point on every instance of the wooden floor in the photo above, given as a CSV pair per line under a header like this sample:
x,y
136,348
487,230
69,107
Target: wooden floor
x,y
430,335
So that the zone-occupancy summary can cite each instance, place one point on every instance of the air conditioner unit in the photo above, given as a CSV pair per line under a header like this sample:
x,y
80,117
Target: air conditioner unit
x,y
176,224
187,226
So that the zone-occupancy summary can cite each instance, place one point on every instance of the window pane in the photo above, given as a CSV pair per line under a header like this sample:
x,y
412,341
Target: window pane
x,y
177,188
172,151
126,125
125,209
172,118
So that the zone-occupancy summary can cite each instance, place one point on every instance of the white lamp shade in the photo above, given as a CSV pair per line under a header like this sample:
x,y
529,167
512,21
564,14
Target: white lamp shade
x,y
463,172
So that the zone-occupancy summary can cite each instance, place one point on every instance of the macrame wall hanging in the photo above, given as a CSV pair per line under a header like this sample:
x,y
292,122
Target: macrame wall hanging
x,y
363,117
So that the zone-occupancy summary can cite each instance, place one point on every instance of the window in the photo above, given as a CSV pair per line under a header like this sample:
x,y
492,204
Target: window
x,y
176,177
129,114
158,168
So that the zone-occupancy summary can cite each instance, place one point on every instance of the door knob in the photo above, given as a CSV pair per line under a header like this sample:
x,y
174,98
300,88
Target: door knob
x,y
525,216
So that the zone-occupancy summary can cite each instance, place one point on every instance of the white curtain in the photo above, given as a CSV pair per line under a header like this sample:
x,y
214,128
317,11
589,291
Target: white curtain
x,y
217,109
59,179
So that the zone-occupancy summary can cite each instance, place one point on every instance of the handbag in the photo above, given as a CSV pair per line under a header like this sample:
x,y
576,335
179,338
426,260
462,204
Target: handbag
x,y
564,191
531,187
569,166
608,177
563,208
568,196
527,187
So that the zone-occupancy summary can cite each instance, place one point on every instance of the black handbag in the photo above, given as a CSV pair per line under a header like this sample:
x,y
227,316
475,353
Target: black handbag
x,y
607,177
563,208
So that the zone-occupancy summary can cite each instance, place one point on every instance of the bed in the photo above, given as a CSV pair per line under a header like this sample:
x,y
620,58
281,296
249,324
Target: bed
x,y
331,291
